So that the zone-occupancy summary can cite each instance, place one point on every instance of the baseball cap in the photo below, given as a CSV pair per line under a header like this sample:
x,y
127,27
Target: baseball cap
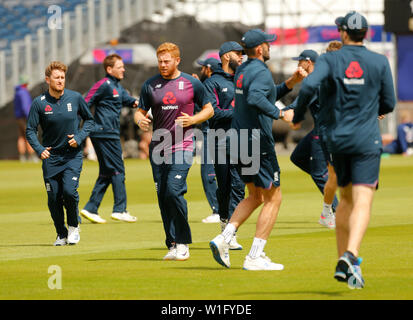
x,y
210,62
307,55
230,46
255,37
352,22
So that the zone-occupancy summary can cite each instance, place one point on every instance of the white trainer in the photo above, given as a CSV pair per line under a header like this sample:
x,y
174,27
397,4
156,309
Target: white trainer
x,y
73,235
328,221
60,242
213,218
261,263
171,255
182,252
93,217
220,250
123,216
234,245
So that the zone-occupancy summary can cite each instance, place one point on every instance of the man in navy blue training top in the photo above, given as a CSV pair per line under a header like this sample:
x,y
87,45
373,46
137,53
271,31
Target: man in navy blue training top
x,y
171,95
108,96
220,86
208,176
58,112
356,88
308,155
251,129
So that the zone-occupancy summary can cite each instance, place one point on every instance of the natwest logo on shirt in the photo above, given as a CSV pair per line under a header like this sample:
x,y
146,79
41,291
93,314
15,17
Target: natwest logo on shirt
x,y
354,72
115,93
48,110
169,98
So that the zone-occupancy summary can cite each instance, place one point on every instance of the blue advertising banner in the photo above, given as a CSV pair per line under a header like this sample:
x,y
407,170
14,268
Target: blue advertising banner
x,y
405,67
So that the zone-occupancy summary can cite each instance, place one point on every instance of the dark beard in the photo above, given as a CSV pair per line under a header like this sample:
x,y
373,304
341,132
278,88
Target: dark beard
x,y
266,58
233,64
203,77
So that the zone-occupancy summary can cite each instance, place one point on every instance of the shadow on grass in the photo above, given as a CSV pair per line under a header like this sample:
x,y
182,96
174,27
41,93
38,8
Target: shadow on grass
x,y
322,293
125,259
26,245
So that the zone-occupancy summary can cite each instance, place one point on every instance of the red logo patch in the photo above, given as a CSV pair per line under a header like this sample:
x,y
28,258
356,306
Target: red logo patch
x,y
115,92
354,70
239,81
233,103
169,98
48,108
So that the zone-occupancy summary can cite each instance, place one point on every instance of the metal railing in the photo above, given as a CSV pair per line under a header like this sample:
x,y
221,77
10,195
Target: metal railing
x,y
67,36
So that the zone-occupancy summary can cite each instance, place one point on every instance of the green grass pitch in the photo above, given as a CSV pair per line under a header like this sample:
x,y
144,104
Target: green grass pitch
x,y
124,261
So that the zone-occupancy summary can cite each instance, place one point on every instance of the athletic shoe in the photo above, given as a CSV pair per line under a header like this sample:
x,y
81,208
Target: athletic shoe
x,y
328,221
171,255
93,217
213,218
123,216
60,241
262,263
234,245
220,251
348,270
73,236
182,252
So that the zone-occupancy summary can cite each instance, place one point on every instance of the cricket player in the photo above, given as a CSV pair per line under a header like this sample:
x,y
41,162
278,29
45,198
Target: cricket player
x,y
108,96
208,175
59,112
171,95
220,86
308,155
356,88
255,97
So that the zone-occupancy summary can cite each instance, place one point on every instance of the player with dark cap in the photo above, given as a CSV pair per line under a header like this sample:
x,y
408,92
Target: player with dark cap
x,y
209,182
356,88
308,155
221,88
255,110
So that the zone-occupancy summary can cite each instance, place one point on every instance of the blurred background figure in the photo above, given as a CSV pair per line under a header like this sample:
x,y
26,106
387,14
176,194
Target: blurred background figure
x,y
403,144
22,103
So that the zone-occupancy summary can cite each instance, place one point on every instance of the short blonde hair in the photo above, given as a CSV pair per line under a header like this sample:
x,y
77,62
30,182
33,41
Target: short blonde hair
x,y
55,65
168,47
334,46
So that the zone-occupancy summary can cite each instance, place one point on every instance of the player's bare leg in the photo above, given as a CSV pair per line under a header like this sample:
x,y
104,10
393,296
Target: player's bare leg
x,y
359,217
342,218
247,206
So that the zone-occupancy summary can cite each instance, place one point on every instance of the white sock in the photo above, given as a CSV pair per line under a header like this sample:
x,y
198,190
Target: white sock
x,y
257,247
326,209
228,232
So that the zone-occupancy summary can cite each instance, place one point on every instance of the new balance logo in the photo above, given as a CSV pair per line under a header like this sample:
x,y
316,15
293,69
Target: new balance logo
x,y
74,178
158,86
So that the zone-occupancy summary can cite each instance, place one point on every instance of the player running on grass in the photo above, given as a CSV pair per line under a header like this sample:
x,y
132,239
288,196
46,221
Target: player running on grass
x,y
171,96
59,111
356,88
255,97
209,182
309,155
109,97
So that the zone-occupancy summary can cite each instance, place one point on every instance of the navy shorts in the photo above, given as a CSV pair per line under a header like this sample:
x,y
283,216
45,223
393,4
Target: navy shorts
x,y
268,174
358,169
